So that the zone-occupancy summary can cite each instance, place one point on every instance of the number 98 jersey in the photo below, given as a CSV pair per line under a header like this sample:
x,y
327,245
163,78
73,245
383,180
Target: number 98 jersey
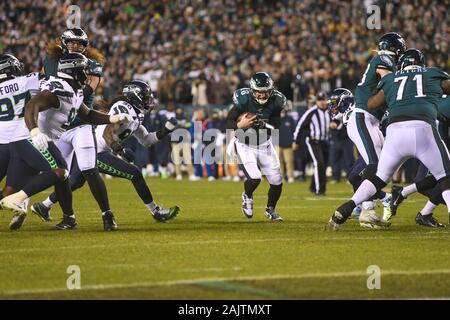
x,y
54,121
124,130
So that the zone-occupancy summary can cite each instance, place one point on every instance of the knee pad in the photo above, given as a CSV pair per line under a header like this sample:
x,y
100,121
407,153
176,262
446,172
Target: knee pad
x,y
275,179
444,183
377,182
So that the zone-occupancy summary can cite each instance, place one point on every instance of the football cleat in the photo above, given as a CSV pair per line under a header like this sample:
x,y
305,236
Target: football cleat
x,y
247,206
387,212
19,210
369,219
428,221
272,215
162,215
356,213
109,223
67,223
332,226
396,199
41,211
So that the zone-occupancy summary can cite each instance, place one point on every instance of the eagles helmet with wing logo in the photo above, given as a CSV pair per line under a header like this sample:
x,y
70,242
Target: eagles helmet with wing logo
x,y
74,34
261,86
10,67
140,95
392,44
73,66
411,57
341,100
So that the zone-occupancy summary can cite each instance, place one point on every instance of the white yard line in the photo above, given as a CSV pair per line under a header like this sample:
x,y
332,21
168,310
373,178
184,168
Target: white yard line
x,y
223,279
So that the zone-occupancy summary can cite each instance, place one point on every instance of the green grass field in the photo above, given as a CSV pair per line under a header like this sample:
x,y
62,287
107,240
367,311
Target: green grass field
x,y
211,251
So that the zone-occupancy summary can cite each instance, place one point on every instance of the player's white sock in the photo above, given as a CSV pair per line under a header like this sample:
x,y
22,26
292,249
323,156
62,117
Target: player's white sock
x,y
48,203
428,209
365,191
446,196
409,190
151,206
17,197
368,205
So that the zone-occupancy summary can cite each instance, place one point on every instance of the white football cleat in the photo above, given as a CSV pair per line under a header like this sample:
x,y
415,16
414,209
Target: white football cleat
x,y
370,219
247,206
19,210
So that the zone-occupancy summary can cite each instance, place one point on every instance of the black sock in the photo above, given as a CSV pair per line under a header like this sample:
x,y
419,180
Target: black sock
x,y
250,186
98,188
344,212
379,195
274,195
40,182
426,183
64,194
142,189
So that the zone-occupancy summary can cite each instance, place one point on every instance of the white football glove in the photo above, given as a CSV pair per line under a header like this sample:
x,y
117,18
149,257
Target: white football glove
x,y
39,139
120,118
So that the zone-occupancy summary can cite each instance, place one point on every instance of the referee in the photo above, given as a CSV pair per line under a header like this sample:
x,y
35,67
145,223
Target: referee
x,y
313,128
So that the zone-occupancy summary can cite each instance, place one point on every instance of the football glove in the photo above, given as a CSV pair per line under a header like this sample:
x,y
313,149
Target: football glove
x,y
39,139
169,127
127,154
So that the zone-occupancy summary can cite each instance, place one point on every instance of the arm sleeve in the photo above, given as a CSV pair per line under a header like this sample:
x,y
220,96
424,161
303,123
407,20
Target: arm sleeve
x,y
144,137
302,125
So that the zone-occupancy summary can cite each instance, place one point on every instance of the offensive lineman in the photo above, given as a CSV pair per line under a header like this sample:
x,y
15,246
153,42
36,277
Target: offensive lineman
x,y
412,94
253,143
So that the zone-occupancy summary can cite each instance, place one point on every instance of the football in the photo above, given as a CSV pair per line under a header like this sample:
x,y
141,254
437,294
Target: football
x,y
245,114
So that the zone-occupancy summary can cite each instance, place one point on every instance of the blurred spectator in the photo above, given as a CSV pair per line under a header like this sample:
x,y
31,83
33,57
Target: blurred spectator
x,y
286,152
341,150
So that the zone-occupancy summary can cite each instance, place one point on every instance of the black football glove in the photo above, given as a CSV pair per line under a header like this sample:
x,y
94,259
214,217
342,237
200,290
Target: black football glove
x,y
127,154
169,126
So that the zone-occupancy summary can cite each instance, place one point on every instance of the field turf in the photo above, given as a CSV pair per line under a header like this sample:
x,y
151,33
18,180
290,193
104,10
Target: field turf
x,y
211,251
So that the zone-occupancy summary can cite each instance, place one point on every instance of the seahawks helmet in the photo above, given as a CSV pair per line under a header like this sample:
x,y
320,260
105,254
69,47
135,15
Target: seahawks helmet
x,y
261,87
392,43
411,57
73,66
340,101
140,95
10,67
74,34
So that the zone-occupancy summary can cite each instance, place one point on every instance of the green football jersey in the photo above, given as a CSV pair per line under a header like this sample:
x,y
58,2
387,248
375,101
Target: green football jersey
x,y
243,101
413,94
368,84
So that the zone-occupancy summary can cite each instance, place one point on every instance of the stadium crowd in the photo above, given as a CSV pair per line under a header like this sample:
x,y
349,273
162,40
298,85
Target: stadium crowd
x,y
196,53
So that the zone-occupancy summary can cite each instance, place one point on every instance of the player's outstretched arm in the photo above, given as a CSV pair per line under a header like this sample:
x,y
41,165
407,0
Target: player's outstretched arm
x,y
376,101
95,117
147,139
42,101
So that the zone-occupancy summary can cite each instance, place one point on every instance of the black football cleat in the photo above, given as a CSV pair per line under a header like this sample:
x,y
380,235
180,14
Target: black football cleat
x,y
428,221
109,223
67,223
161,214
41,211
396,199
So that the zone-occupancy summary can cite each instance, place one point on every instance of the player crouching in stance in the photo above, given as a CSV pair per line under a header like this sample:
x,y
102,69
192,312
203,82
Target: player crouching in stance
x,y
255,113
411,95
136,99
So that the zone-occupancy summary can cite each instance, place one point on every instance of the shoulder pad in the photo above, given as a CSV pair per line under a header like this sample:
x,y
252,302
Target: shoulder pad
x,y
280,99
94,68
241,97
385,61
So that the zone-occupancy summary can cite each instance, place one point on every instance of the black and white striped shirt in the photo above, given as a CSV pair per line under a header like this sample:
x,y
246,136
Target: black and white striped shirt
x,y
315,124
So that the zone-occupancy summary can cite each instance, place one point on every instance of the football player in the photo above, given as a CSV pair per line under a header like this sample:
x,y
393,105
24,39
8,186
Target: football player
x,y
253,144
363,126
79,137
411,94
136,100
59,101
